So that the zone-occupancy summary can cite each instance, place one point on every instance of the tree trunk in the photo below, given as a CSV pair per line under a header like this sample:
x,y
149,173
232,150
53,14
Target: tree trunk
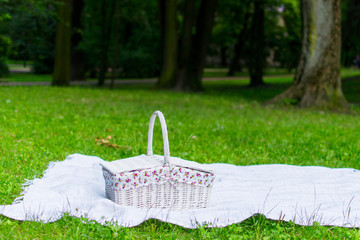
x,y
318,81
77,55
169,50
161,8
114,72
200,44
257,46
61,75
185,45
223,56
185,73
107,9
243,35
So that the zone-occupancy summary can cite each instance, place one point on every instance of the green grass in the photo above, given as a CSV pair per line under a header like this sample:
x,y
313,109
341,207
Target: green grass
x,y
272,75
256,227
222,72
349,72
18,66
20,62
43,124
27,77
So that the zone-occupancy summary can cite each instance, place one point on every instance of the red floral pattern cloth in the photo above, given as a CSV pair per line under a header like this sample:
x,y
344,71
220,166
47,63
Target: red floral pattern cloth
x,y
133,179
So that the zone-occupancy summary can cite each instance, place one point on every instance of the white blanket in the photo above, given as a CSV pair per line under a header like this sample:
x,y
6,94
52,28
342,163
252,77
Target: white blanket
x,y
300,194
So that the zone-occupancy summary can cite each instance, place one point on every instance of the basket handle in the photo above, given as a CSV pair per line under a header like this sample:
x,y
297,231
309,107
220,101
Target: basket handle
x,y
164,133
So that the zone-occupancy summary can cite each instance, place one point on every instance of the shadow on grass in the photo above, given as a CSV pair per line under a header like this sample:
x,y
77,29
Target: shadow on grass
x,y
233,89
239,89
350,87
260,94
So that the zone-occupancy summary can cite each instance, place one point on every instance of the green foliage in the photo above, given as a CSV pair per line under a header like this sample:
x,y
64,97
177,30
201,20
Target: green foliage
x,y
232,17
5,43
350,31
138,63
286,38
282,29
229,22
4,16
43,65
4,70
134,43
139,40
32,30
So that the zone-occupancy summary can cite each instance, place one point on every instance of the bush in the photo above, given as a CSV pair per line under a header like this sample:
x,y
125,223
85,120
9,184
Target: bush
x,y
138,64
4,70
40,67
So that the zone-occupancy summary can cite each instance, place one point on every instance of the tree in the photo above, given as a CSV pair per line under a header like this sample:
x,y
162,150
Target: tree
x,y
256,57
317,80
287,39
185,44
252,36
139,37
4,41
131,49
33,33
241,39
189,73
107,9
167,9
32,30
204,24
351,31
77,54
98,36
62,68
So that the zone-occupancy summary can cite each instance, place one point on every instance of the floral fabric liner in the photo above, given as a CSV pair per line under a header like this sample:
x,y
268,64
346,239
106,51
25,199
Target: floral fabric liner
x,y
138,178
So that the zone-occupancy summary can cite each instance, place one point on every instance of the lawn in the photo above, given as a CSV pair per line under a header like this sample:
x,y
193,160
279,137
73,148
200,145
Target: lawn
x,y
222,72
277,75
44,124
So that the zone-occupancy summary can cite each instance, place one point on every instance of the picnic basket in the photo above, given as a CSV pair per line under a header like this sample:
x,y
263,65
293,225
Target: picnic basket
x,y
154,181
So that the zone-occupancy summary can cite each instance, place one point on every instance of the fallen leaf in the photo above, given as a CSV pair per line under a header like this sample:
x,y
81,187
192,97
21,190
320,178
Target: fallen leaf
x,y
106,143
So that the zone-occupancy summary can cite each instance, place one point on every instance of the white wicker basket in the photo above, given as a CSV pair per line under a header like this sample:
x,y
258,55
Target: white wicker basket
x,y
153,181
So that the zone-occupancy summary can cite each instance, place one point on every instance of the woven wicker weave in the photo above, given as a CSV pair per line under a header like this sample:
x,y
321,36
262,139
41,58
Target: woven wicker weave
x,y
153,181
